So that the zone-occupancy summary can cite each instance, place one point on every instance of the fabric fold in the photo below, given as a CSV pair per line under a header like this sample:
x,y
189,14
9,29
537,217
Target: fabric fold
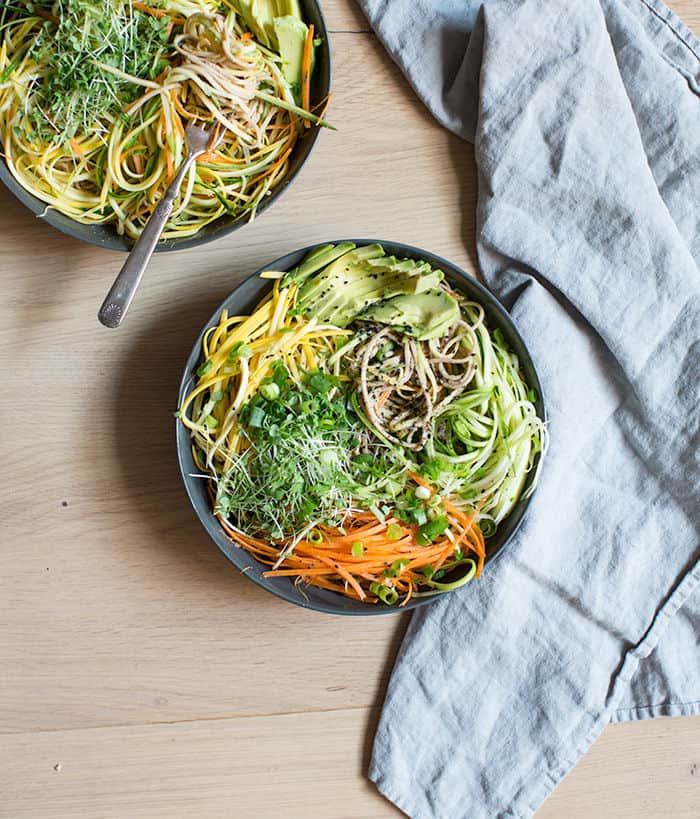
x,y
586,123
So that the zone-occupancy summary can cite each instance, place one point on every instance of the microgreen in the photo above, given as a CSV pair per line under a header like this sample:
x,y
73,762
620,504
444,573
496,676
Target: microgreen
x,y
77,38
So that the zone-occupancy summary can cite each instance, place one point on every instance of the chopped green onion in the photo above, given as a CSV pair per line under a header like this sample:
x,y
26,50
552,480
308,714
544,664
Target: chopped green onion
x,y
358,548
217,395
387,595
422,493
420,516
487,526
394,531
211,422
315,537
428,570
257,416
445,587
377,512
270,391
432,530
240,350
204,368
384,593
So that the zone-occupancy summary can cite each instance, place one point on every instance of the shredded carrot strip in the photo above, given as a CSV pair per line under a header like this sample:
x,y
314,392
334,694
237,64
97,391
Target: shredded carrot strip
x,y
383,398
77,149
158,13
306,70
420,481
277,164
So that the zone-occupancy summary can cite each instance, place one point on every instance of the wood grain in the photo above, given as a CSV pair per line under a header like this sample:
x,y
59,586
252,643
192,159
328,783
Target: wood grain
x,y
131,653
311,766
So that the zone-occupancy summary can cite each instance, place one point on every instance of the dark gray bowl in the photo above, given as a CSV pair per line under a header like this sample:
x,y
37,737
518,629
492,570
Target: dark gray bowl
x,y
243,299
106,236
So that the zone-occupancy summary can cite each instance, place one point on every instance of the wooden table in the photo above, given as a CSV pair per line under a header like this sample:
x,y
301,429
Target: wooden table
x,y
140,675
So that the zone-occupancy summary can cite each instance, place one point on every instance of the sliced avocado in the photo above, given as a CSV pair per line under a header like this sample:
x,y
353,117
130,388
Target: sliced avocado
x,y
264,13
245,9
359,279
289,8
316,259
341,274
259,16
422,315
426,276
291,37
344,288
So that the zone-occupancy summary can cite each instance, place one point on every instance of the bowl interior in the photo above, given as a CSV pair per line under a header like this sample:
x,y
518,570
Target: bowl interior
x,y
243,299
106,236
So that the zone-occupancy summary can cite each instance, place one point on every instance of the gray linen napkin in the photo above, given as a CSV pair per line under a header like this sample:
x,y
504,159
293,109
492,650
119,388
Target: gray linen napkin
x,y
586,123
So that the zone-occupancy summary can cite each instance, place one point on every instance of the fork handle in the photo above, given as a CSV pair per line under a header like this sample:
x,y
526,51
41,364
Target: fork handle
x,y
122,292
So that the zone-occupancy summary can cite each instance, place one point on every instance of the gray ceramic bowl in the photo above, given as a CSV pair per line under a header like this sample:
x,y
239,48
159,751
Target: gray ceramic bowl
x,y
243,299
107,237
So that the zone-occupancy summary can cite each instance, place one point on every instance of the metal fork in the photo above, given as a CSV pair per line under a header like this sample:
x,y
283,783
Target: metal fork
x,y
199,140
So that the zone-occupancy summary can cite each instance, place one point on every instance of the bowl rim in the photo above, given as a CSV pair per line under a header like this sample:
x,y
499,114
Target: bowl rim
x,y
182,438
111,240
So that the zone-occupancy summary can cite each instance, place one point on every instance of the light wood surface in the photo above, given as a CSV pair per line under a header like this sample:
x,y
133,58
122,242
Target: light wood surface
x,y
140,676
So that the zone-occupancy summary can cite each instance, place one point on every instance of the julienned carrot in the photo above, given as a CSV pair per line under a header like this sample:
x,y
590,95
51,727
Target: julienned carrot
x,y
476,537
77,149
157,13
420,481
182,111
169,164
306,70
345,574
321,107
333,564
276,164
383,398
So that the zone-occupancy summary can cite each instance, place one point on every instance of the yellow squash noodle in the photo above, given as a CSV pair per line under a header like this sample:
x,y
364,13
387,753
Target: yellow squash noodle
x,y
271,333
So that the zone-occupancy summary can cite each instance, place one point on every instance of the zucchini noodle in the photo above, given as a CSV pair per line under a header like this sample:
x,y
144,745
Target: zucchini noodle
x,y
116,168
487,441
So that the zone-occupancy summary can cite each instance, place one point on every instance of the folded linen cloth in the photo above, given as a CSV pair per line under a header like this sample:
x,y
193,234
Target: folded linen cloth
x,y
586,123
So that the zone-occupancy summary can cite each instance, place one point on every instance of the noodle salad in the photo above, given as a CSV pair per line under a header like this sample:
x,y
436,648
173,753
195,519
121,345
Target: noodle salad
x,y
95,98
363,430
